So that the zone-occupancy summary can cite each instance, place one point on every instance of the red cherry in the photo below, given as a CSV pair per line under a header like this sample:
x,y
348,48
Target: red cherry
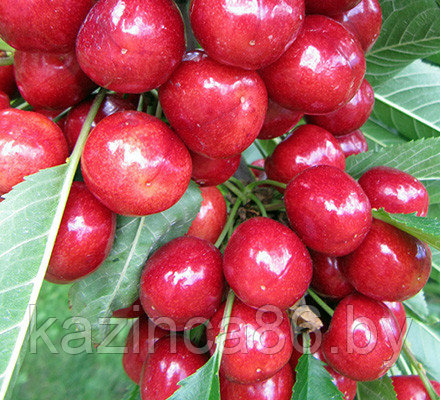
x,y
412,388
52,114
329,7
399,312
361,341
259,175
7,78
133,311
135,164
171,362
51,80
328,209
258,343
28,142
266,264
231,114
395,191
249,35
213,171
307,146
349,117
320,72
353,143
212,215
131,46
4,101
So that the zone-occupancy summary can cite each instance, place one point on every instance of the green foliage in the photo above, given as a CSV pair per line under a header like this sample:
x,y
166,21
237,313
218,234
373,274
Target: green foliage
x,y
380,389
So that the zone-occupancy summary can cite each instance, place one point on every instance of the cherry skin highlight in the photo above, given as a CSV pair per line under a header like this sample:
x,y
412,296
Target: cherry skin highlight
x,y
213,171
231,114
353,143
412,388
266,264
135,164
4,101
329,7
328,209
320,72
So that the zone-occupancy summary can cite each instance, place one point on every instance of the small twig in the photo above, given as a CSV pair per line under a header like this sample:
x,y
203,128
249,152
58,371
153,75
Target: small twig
x,y
321,302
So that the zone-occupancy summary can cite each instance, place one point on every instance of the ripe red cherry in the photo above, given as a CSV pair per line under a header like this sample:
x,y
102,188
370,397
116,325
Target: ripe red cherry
x,y
307,146
4,100
328,209
329,7
353,143
131,46
320,72
28,142
349,117
258,343
171,362
277,387
395,191
231,114
213,171
212,215
139,344
399,312
7,79
364,20
51,80
182,280
361,342
412,388
266,264
135,164
389,265
259,175
39,25
249,35
133,311
84,238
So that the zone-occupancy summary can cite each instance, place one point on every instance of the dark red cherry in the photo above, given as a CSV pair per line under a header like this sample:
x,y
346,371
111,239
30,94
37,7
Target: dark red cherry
x,y
48,80
131,46
28,142
395,191
259,174
4,101
258,343
135,164
328,209
133,311
7,78
412,388
361,342
349,117
266,264
213,171
231,114
307,146
320,72
353,143
329,7
399,312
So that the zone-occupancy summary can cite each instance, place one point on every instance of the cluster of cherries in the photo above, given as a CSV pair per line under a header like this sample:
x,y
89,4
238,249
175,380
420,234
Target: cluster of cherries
x,y
264,66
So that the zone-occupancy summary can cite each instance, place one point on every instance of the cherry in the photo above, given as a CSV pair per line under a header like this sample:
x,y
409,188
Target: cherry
x,y
133,311
258,343
181,281
361,341
364,20
399,312
212,215
135,164
4,101
320,72
307,146
213,171
51,80
131,46
412,388
349,117
259,175
139,344
7,79
389,264
395,191
249,35
170,363
231,114
266,264
353,143
28,142
277,387
328,209
329,7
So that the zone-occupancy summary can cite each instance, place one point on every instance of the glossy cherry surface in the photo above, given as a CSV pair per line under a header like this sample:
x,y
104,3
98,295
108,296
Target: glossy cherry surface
x,y
133,311
51,80
266,264
361,342
399,312
349,117
320,72
258,343
328,209
231,114
389,265
353,143
395,191
246,34
412,388
28,142
131,46
4,101
135,164
307,146
213,171
329,7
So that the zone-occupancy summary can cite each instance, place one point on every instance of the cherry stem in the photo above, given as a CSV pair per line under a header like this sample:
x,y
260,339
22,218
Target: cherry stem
x,y
9,60
61,115
221,337
260,149
306,343
321,302
229,223
22,106
158,110
255,167
253,185
232,188
5,47
140,106
244,196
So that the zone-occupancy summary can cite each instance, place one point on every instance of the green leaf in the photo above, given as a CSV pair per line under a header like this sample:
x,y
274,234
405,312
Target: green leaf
x,y
418,306
115,284
380,389
134,393
379,136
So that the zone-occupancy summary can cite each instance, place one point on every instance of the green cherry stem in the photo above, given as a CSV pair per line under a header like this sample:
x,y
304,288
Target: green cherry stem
x,y
255,167
158,110
232,188
321,302
229,223
140,106
5,47
259,204
221,337
253,185
9,60
61,115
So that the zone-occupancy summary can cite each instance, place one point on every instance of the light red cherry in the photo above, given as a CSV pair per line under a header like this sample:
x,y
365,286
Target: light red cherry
x,y
320,72
412,388
353,143
135,164
213,171
328,209
4,101
131,46
133,311
329,7
231,114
